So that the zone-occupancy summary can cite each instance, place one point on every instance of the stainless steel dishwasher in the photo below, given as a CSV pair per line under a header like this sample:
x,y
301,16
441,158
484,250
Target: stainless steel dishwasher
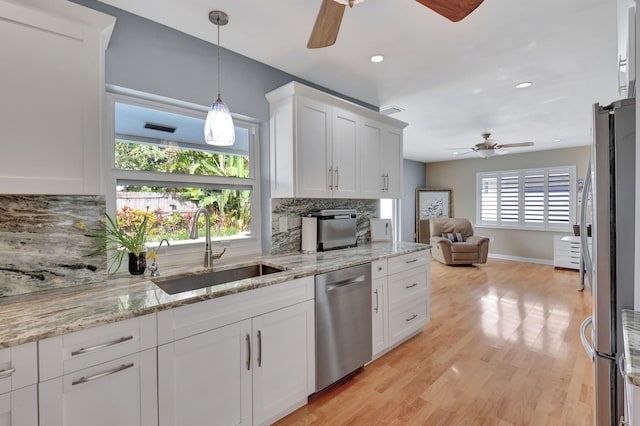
x,y
343,323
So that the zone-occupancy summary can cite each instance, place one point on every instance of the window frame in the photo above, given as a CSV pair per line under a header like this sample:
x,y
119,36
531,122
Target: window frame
x,y
521,223
186,252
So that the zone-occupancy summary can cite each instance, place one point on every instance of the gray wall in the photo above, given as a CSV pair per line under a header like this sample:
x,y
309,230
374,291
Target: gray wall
x,y
414,174
460,175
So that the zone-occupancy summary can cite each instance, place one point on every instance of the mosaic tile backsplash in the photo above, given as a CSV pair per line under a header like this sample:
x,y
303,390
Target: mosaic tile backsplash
x,y
294,208
43,243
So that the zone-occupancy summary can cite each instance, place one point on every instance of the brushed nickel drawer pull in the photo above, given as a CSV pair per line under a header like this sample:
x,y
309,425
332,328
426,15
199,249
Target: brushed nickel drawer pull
x,y
83,379
259,348
411,261
248,338
412,318
101,346
7,372
376,293
410,286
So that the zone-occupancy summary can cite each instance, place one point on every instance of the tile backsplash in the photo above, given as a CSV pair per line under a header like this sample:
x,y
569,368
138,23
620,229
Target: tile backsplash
x,y
43,243
294,208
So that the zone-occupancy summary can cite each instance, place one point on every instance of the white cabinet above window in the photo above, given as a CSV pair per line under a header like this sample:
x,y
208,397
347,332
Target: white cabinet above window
x,y
324,147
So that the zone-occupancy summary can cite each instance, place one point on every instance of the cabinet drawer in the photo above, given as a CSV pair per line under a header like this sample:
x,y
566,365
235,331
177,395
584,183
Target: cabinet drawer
x,y
72,352
19,407
407,286
378,268
406,320
18,367
189,320
398,264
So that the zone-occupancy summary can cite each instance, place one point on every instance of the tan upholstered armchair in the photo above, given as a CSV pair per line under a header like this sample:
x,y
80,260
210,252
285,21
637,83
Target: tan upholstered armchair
x,y
472,249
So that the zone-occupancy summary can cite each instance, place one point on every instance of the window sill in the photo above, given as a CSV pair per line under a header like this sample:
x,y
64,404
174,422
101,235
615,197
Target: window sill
x,y
523,228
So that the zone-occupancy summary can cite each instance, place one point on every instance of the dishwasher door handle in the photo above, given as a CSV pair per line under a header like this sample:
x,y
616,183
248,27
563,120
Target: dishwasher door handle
x,y
338,284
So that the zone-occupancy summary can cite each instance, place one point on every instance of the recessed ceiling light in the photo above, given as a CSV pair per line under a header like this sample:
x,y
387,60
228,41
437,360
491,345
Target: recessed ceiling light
x,y
557,140
455,152
524,84
377,58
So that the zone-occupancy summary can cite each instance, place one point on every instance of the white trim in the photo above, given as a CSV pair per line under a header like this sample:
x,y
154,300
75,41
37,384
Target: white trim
x,y
521,259
567,229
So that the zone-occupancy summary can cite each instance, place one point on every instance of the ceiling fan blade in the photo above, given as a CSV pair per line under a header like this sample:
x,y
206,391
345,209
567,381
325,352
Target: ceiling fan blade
x,y
325,30
514,144
453,10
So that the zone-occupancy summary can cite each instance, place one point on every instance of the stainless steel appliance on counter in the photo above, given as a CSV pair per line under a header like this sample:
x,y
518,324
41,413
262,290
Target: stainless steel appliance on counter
x,y
336,228
343,323
610,264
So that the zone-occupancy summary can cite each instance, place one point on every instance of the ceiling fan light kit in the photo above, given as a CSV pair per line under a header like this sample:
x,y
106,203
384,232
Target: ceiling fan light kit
x,y
218,128
325,30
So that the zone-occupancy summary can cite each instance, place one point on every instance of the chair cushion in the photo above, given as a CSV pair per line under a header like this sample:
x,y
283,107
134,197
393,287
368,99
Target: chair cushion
x,y
439,226
464,248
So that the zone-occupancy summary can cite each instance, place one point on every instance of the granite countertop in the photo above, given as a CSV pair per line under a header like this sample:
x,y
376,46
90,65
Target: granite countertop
x,y
51,313
631,337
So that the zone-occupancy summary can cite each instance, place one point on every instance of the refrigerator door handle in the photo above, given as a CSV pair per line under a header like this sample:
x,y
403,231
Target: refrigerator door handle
x,y
583,337
584,242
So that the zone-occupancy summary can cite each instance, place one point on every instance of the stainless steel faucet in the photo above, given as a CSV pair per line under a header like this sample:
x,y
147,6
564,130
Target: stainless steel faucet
x,y
208,256
154,265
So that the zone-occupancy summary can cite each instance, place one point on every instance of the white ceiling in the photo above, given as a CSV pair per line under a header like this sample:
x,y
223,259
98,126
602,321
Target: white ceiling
x,y
454,80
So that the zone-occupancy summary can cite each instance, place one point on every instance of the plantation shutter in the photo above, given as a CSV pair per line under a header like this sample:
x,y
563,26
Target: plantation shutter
x,y
559,197
534,197
509,199
489,199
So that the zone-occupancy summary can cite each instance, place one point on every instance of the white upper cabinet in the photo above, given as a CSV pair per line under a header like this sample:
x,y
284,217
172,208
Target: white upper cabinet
x,y
52,87
324,147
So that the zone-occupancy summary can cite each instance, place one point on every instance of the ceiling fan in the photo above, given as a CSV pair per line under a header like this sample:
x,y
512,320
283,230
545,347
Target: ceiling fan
x,y
325,30
490,147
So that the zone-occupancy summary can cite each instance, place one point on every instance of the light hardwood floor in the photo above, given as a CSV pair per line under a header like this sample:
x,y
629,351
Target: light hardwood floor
x,y
502,348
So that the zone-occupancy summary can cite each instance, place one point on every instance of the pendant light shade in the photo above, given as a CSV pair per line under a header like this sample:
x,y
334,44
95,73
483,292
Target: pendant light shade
x,y
218,128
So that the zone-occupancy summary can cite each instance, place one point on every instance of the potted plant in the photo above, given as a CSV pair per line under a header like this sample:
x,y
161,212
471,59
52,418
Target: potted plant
x,y
115,240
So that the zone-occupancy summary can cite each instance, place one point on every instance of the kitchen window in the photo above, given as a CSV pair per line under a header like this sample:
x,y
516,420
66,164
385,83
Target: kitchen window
x,y
160,166
537,199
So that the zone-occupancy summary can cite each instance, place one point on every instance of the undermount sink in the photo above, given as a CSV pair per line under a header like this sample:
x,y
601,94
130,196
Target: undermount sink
x,y
193,281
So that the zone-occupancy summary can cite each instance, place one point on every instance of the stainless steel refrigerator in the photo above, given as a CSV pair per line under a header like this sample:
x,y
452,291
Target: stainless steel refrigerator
x,y
609,260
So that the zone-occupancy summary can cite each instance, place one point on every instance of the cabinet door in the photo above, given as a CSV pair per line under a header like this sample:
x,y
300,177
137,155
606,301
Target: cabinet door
x,y
121,392
392,158
379,315
20,407
345,154
313,143
372,179
284,361
205,379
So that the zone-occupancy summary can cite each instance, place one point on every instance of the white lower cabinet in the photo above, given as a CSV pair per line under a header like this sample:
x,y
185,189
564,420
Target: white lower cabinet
x,y
19,407
119,392
253,371
400,288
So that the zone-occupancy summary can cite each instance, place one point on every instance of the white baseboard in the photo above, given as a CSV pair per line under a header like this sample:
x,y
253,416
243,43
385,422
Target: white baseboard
x,y
521,259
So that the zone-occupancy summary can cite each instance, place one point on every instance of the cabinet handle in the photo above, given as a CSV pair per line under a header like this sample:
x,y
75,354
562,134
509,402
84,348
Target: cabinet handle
x,y
248,338
7,372
83,379
331,177
386,186
101,346
411,286
384,181
412,318
376,293
337,178
259,348
411,261
379,268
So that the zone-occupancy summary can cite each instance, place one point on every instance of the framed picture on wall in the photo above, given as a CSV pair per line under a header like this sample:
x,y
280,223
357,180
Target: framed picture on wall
x,y
431,203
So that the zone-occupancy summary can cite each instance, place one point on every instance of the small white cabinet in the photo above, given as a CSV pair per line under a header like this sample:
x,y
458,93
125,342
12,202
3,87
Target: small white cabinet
x,y
566,252
379,324
18,393
100,376
324,147
249,359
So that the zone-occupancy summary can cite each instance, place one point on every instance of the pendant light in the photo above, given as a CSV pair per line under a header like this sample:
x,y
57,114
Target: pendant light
x,y
219,129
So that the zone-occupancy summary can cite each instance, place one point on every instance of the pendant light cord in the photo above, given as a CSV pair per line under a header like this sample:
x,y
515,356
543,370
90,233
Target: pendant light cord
x,y
218,19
